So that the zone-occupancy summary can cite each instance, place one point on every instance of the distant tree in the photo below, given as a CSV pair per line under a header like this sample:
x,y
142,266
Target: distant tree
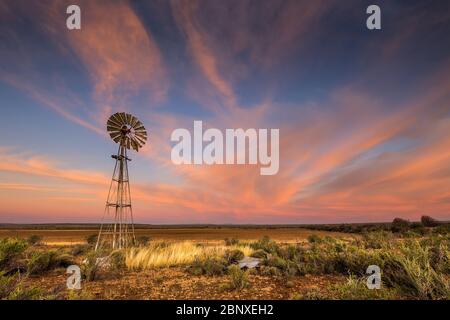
x,y
428,221
400,225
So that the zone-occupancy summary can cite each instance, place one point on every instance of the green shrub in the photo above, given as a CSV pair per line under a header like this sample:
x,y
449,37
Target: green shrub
x,y
410,271
443,229
7,285
231,241
90,268
44,261
440,258
238,277
356,289
314,238
79,295
260,254
10,250
22,292
11,288
211,266
377,239
266,244
34,239
269,271
117,260
233,256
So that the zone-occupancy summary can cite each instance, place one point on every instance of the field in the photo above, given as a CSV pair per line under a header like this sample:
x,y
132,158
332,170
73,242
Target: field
x,y
59,235
201,262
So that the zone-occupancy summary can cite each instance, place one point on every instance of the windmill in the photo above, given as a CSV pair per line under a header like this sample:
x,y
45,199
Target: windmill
x,y
117,229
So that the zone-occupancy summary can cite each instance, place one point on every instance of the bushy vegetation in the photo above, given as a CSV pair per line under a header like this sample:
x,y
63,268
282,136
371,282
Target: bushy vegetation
x,y
412,268
12,288
91,266
11,250
210,266
43,261
238,278
34,239
398,225
356,289
414,259
233,256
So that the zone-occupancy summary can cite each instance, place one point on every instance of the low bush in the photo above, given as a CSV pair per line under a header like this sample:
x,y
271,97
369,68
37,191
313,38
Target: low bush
x,y
238,277
314,238
43,261
410,270
12,288
260,254
266,244
377,239
10,250
233,256
210,266
356,289
116,260
91,266
443,229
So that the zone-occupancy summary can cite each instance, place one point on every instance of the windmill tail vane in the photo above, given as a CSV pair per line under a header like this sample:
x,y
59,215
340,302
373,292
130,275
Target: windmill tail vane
x,y
117,228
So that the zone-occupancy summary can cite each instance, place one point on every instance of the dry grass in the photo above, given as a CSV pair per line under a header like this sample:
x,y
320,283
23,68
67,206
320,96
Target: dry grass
x,y
161,254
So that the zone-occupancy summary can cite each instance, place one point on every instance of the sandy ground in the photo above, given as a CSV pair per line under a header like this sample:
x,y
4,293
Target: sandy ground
x,y
174,283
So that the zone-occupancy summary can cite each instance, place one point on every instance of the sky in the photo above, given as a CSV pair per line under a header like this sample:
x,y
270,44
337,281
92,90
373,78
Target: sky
x,y
364,115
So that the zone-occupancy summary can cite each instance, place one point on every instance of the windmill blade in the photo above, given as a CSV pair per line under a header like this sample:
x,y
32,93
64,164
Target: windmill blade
x,y
138,126
134,121
142,139
141,133
115,135
137,142
128,118
113,127
123,119
116,117
141,142
134,144
112,121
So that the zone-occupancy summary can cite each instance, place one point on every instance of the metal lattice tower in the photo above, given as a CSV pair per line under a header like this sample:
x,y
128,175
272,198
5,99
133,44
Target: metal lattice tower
x,y
117,229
